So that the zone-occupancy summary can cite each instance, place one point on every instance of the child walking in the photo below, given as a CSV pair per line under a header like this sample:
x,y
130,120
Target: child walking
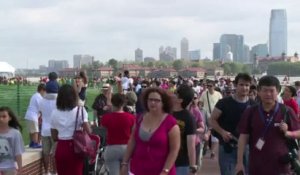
x,y
11,143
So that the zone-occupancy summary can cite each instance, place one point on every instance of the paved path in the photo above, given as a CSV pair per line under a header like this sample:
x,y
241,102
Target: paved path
x,y
210,166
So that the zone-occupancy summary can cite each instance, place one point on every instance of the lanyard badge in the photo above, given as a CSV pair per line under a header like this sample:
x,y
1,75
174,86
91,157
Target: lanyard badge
x,y
267,123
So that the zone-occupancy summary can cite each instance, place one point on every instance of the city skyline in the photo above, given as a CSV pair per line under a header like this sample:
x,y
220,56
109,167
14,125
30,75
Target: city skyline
x,y
278,32
33,32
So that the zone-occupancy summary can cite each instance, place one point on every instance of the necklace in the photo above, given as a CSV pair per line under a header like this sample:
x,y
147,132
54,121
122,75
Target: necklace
x,y
155,124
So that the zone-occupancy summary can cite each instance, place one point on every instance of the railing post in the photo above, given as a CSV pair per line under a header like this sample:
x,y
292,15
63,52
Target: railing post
x,y
18,98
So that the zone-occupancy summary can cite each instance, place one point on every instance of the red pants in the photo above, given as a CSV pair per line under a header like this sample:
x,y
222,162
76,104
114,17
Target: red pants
x,y
67,162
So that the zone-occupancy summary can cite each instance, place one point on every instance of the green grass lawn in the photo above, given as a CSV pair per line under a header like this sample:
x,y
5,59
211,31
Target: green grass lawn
x,y
9,94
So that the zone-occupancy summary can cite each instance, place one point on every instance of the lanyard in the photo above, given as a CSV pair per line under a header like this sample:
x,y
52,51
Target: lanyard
x,y
267,122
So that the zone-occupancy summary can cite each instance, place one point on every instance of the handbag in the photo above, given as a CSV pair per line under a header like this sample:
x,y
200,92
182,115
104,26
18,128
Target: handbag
x,y
84,145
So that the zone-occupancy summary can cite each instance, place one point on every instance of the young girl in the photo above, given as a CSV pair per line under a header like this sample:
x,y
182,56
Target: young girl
x,y
11,143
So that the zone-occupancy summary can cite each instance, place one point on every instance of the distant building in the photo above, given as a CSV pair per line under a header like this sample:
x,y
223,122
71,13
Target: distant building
x,y
136,70
229,57
260,50
216,51
233,43
57,65
104,72
184,48
278,32
194,55
168,54
246,57
69,72
263,62
192,72
215,72
139,55
149,59
163,73
80,60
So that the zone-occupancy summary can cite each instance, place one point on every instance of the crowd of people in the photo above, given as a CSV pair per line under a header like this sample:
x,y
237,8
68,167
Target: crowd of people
x,y
162,126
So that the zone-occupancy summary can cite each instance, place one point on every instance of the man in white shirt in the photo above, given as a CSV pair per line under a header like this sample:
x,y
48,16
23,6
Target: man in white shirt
x,y
32,116
208,100
46,106
126,85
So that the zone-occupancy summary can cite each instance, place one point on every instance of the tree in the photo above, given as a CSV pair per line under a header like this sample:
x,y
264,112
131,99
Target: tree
x,y
97,64
150,64
113,63
178,64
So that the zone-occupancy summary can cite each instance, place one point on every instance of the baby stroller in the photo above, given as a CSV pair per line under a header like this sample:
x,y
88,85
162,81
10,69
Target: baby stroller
x,y
98,166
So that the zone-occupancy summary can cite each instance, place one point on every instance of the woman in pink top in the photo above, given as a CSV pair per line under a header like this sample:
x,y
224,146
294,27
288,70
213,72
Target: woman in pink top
x,y
155,140
288,98
195,111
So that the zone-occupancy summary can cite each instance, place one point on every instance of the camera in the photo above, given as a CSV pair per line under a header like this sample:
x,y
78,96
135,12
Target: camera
x,y
292,158
230,146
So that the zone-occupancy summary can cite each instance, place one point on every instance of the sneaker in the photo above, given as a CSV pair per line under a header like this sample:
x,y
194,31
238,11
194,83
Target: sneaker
x,y
212,155
36,145
31,144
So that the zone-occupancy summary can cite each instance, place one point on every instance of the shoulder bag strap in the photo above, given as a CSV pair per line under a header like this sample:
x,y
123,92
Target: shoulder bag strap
x,y
208,102
76,121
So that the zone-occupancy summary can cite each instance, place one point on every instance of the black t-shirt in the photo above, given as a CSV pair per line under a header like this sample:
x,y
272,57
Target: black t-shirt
x,y
187,126
232,111
99,102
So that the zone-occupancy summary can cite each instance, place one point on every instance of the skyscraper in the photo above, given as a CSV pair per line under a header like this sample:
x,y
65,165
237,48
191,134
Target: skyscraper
x,y
260,50
278,32
184,48
217,51
168,54
233,43
139,55
246,57
57,65
194,55
79,60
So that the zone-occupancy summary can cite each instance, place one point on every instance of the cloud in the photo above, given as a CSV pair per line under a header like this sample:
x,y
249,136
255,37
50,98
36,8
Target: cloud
x,y
40,30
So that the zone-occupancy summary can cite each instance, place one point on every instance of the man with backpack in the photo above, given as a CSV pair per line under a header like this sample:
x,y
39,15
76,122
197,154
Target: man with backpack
x,y
260,127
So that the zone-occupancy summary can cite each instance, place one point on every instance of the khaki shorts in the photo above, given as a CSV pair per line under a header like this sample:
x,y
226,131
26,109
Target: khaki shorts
x,y
33,127
48,146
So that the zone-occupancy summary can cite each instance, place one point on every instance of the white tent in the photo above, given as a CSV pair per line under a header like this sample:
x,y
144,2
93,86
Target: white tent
x,y
6,70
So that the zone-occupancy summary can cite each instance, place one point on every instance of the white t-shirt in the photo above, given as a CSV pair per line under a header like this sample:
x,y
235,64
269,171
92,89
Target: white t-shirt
x,y
125,83
197,89
32,112
46,106
64,122
213,99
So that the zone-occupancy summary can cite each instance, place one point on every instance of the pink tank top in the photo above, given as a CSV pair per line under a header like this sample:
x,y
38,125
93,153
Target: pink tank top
x,y
149,157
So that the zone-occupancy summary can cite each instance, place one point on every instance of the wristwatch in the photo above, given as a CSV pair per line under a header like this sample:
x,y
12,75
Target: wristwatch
x,y
193,169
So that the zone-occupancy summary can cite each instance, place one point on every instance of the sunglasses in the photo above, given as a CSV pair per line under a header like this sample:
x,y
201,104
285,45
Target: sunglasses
x,y
144,86
209,85
195,98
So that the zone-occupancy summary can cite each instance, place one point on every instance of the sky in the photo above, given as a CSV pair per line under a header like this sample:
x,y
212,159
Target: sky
x,y
35,31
